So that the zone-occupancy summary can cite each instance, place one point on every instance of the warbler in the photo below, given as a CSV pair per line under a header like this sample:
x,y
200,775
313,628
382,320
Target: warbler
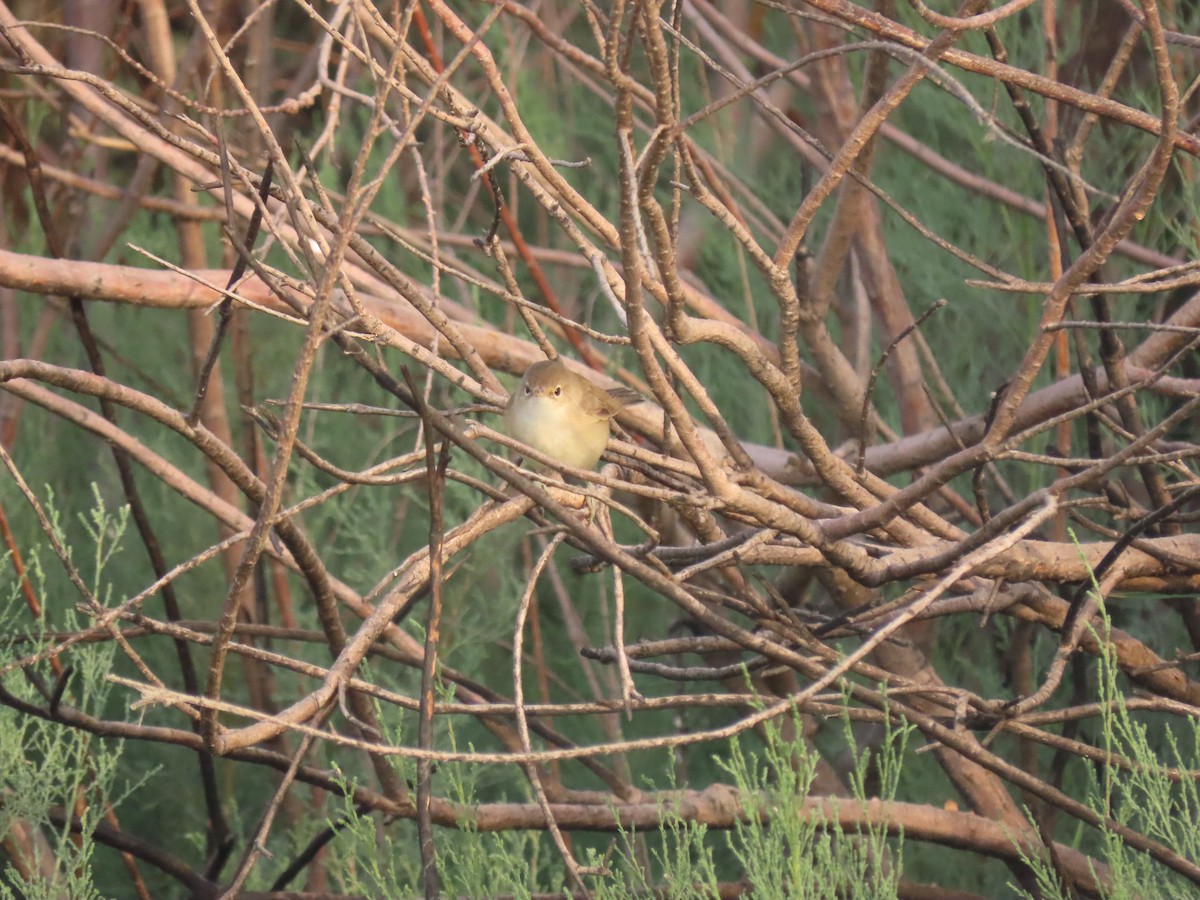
x,y
564,415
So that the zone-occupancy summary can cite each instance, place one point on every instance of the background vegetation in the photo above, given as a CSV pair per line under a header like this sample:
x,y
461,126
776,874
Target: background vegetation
x,y
888,588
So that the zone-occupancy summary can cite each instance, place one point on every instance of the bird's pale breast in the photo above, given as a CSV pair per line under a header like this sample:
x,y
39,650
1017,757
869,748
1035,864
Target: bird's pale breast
x,y
558,429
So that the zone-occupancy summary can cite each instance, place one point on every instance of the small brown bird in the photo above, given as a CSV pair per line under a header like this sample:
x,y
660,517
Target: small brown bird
x,y
564,415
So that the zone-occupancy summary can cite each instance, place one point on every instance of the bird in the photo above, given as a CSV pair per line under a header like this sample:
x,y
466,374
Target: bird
x,y
564,415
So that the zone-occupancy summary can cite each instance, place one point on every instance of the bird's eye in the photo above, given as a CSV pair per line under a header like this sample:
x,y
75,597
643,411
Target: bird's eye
x,y
527,391
558,391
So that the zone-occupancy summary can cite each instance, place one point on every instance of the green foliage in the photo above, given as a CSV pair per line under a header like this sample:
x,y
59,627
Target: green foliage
x,y
783,850
1147,797
46,769
776,846
380,859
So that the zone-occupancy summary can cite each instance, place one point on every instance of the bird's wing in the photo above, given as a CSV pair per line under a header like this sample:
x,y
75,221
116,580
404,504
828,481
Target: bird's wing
x,y
613,400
